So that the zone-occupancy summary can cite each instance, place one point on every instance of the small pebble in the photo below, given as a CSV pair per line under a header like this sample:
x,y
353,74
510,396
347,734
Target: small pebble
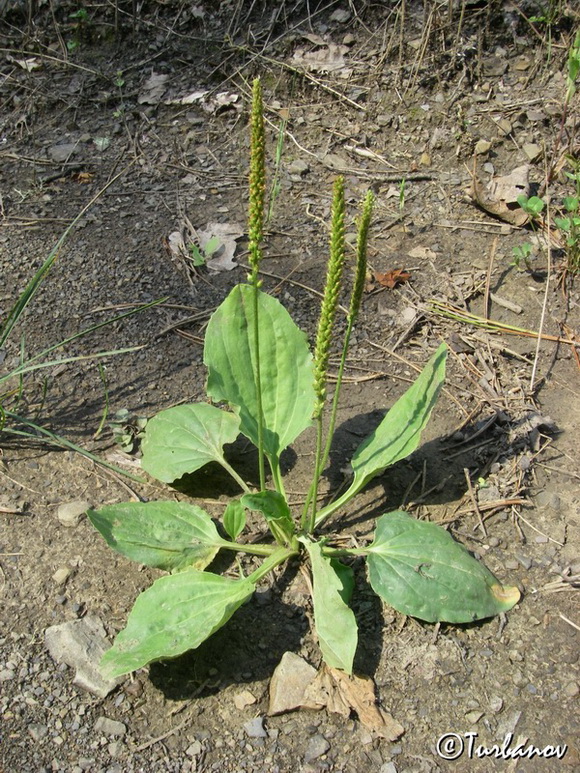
x,y
317,746
110,727
244,699
496,704
70,513
194,749
571,690
482,147
37,731
61,575
524,560
254,728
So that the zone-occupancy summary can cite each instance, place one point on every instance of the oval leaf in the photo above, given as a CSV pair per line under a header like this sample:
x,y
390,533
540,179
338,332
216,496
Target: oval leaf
x,y
419,569
275,510
332,585
176,614
182,439
167,535
286,372
398,434
234,519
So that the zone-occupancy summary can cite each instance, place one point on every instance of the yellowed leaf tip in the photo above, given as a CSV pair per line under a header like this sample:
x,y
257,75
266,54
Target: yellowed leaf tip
x,y
507,596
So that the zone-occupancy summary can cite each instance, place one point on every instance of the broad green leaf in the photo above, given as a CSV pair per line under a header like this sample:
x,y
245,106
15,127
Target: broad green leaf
x,y
182,439
399,433
275,510
167,535
176,614
332,585
286,371
419,569
234,519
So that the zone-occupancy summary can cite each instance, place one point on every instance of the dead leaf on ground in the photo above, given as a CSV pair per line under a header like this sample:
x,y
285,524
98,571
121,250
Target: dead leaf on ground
x,y
392,278
222,259
341,694
422,253
500,196
329,58
153,89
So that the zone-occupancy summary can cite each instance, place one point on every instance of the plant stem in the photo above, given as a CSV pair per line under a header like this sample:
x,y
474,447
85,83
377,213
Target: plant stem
x,y
277,476
344,552
241,483
261,466
252,550
278,557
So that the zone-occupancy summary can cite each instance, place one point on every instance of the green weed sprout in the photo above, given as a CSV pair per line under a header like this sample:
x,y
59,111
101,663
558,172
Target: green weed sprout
x,y
271,388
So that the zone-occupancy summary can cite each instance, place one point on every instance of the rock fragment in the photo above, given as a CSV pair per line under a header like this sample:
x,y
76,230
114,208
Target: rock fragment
x,y
289,682
81,645
70,513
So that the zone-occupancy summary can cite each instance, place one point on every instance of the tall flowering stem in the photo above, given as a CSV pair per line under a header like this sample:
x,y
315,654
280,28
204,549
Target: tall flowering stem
x,y
354,307
324,338
257,187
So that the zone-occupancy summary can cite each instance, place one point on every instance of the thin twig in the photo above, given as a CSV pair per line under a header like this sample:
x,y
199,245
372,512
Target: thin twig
x,y
545,301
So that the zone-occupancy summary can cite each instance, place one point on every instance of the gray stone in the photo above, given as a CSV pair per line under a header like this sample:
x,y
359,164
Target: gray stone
x,y
388,767
289,682
70,513
6,675
60,153
571,690
488,494
524,560
254,728
37,731
532,150
194,749
317,746
110,727
115,748
299,167
81,645
482,147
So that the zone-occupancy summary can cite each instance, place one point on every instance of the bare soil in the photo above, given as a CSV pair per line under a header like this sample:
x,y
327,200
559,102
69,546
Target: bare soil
x,y
406,92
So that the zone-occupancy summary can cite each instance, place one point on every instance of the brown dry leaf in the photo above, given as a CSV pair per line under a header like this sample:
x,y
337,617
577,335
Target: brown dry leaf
x,y
500,196
341,694
392,278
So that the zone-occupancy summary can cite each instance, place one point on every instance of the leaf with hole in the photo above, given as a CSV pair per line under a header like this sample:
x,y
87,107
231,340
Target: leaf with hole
x,y
420,570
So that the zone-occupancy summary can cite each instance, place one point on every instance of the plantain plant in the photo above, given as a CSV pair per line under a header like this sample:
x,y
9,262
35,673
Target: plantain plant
x,y
261,369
